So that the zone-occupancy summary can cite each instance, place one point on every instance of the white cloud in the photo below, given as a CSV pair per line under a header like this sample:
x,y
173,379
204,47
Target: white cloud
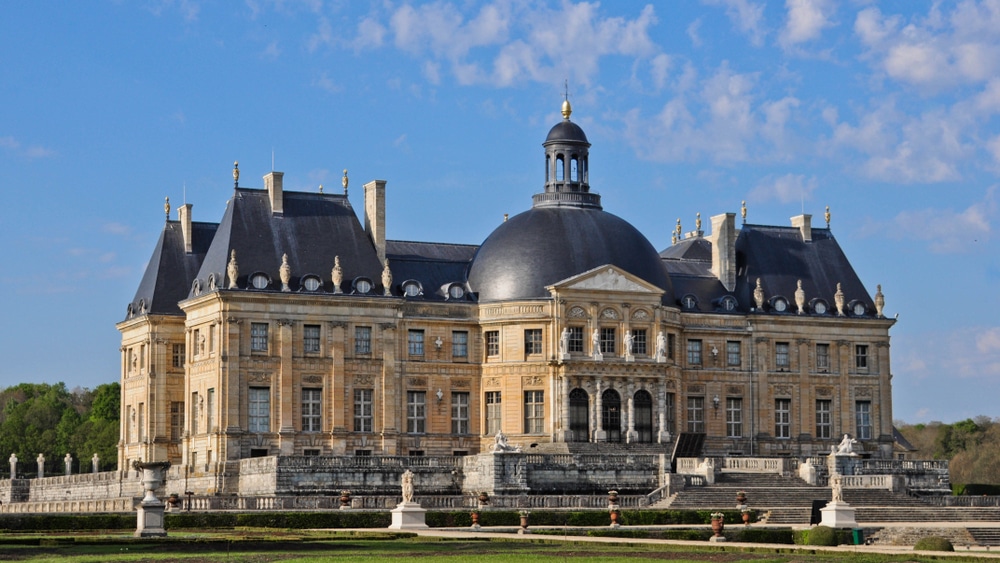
x,y
371,34
786,189
11,144
692,32
805,21
271,52
968,353
324,82
945,230
746,16
988,342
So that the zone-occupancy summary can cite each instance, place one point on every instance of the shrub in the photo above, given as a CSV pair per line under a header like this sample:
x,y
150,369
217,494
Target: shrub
x,y
933,543
761,535
822,535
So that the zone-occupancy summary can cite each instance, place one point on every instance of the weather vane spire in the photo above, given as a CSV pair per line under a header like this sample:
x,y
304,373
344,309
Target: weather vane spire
x,y
567,109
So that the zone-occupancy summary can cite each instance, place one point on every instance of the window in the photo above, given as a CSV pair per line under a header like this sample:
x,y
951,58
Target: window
x,y
696,414
312,414
210,416
782,418
363,410
176,420
534,412
416,411
824,428
492,412
734,417
823,357
861,357
734,358
194,413
260,409
363,453
177,356
575,339
607,340
533,341
694,352
863,419
639,341
310,453
415,342
493,343
415,453
211,339
459,413
311,283
671,413
199,344
310,339
671,344
459,344
258,337
362,340
781,360
142,422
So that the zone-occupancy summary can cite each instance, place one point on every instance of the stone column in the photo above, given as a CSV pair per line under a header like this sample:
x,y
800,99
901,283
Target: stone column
x,y
662,435
631,435
95,463
391,392
41,465
68,462
339,403
13,466
565,385
286,387
600,435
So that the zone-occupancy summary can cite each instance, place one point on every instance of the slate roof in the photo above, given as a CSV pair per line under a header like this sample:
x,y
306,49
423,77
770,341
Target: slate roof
x,y
169,272
435,265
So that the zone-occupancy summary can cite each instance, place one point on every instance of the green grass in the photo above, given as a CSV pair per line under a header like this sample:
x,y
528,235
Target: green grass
x,y
287,546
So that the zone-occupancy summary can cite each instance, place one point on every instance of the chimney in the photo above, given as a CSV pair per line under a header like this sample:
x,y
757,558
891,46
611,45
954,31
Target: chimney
x,y
184,214
272,182
724,249
375,215
804,224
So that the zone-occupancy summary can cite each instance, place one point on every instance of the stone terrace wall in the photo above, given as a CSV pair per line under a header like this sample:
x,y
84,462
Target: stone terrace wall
x,y
568,473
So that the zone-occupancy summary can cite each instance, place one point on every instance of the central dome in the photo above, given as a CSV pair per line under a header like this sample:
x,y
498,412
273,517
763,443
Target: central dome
x,y
565,233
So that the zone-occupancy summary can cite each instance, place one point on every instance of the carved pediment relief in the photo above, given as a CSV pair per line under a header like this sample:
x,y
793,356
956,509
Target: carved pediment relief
x,y
607,278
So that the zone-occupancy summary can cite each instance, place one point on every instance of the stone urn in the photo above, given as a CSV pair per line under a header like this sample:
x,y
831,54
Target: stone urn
x,y
484,498
718,525
174,500
612,497
741,498
614,519
524,520
475,518
747,515
153,474
345,499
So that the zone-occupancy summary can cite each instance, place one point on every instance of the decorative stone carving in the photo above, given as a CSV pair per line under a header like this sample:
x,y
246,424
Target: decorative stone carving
x,y
68,463
577,313
387,279
609,280
258,377
337,275
640,315
595,345
879,301
800,298
838,300
734,390
363,379
758,295
696,388
824,392
609,313
461,383
564,343
532,380
501,445
40,460
232,270
493,382
313,379
285,271
13,465
783,390
661,347
846,447
95,463
417,382
863,392
628,342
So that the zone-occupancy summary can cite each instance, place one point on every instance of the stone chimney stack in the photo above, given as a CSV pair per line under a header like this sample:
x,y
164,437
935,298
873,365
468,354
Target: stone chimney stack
x,y
804,224
272,182
724,249
184,215
375,215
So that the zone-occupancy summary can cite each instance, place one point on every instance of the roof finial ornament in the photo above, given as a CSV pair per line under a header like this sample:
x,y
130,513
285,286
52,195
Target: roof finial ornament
x,y
337,275
236,174
827,215
344,180
166,207
386,279
232,270
879,301
758,296
505,216
321,188
285,271
838,300
697,222
678,229
800,298
567,109
743,211
673,238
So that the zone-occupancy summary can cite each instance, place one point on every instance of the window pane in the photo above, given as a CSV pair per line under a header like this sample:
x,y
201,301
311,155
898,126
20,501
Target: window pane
x,y
312,418
639,342
415,412
492,412
258,337
861,356
781,359
607,340
734,418
310,339
733,355
823,420
576,339
415,341
783,418
533,341
459,344
363,413
459,413
492,343
260,409
696,414
863,419
822,357
694,352
534,412
362,340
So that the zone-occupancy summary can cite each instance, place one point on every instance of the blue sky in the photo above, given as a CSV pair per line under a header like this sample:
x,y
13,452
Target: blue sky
x,y
887,112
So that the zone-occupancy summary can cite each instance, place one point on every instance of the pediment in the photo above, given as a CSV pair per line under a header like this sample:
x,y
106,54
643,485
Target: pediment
x,y
606,278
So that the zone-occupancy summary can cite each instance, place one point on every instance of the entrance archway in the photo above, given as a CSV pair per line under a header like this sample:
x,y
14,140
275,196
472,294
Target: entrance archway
x,y
611,415
579,415
642,402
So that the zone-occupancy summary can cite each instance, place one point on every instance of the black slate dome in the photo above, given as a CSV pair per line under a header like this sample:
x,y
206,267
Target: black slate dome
x,y
565,233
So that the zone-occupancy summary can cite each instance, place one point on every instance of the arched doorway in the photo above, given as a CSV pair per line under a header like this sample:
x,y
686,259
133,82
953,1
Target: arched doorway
x,y
611,415
579,415
642,402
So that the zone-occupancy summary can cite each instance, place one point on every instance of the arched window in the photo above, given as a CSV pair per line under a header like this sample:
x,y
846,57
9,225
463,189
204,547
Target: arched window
x,y
611,415
579,415
574,169
642,402
560,168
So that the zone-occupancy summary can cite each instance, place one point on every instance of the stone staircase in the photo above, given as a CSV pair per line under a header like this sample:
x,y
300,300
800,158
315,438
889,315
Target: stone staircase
x,y
985,536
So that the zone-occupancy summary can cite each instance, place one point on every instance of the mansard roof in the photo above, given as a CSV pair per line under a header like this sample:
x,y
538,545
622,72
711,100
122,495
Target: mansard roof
x,y
170,269
433,265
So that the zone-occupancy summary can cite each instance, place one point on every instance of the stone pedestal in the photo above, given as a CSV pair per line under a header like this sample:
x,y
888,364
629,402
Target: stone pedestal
x,y
629,358
149,522
564,357
408,516
838,515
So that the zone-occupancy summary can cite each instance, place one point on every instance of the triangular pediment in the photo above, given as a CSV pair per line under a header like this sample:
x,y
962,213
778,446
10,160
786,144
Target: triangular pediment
x,y
606,278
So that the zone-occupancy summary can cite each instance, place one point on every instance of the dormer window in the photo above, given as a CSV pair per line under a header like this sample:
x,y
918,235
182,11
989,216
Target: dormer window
x,y
456,291
689,301
819,306
779,304
728,303
260,280
412,288
362,285
311,283
858,308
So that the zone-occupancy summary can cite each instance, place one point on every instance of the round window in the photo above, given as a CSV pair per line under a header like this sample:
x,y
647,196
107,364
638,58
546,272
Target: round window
x,y
456,292
780,305
311,283
820,308
259,281
411,289
859,309
362,286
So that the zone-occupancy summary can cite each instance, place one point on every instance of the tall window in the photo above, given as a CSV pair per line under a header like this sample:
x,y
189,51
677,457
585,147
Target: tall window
x,y
823,357
210,416
459,344
782,418
194,413
696,414
639,341
861,357
671,345
459,413
176,420
863,419
492,343
416,411
415,342
260,409
258,337
312,413
671,414
492,412
824,427
734,417
694,352
533,341
196,339
310,339
734,358
362,340
177,356
576,339
781,360
363,411
534,412
608,340
142,422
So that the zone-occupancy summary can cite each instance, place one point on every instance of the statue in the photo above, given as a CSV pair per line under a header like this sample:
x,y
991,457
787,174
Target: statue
x,y
628,342
564,342
500,444
838,300
337,275
68,463
595,344
285,271
879,301
407,486
387,278
758,295
232,270
846,446
800,298
837,484
661,347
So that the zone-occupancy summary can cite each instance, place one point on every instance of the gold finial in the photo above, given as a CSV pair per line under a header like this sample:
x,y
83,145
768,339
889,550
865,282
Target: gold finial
x,y
678,230
505,215
343,181
236,174
567,109
321,188
166,207
827,215
673,238
697,221
743,211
